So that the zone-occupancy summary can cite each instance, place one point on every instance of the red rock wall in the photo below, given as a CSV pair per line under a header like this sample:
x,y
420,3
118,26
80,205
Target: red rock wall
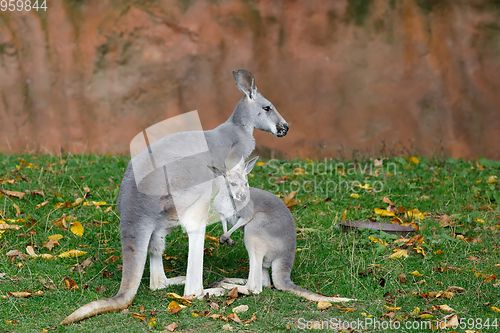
x,y
87,76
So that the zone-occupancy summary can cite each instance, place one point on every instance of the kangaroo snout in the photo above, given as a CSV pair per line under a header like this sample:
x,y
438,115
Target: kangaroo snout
x,y
281,129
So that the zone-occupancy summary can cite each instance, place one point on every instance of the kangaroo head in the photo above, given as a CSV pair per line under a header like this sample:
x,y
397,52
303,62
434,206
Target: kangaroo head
x,y
237,179
259,112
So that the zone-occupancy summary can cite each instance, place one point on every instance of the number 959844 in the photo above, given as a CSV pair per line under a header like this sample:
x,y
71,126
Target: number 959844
x,y
23,5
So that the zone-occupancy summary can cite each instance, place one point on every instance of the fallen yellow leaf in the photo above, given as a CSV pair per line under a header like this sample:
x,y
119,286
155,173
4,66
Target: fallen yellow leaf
x,y
355,196
174,304
377,240
56,237
414,160
425,316
494,308
383,212
77,228
324,305
138,316
392,308
415,213
492,180
151,322
399,253
366,186
346,309
72,254
77,202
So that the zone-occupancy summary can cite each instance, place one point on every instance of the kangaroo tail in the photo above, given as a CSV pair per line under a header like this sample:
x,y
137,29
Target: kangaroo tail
x,y
281,279
134,252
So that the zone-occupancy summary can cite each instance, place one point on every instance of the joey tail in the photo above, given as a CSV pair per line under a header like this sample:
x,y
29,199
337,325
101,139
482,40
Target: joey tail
x,y
281,280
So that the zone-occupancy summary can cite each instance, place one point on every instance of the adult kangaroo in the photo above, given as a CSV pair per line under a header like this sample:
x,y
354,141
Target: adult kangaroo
x,y
178,193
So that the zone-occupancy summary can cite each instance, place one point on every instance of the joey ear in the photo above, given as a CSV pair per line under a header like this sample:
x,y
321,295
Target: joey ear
x,y
217,171
250,164
246,83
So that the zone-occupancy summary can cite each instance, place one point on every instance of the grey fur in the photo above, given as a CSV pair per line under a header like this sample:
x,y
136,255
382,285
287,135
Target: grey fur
x,y
147,219
270,238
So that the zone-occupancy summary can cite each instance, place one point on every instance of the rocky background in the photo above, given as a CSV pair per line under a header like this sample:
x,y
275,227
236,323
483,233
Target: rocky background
x,y
360,77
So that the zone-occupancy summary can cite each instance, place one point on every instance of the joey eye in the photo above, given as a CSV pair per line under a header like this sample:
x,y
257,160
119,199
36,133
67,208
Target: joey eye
x,y
233,184
266,108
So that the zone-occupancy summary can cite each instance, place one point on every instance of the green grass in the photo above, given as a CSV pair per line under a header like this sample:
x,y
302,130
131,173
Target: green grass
x,y
329,261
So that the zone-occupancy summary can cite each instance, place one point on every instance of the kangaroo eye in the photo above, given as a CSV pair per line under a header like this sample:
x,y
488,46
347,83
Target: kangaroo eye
x,y
233,184
266,108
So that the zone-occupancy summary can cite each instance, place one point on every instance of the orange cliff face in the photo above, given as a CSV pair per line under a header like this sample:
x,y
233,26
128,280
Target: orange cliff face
x,y
365,76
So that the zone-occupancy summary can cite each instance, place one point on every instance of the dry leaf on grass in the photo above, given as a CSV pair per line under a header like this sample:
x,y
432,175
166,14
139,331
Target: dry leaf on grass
x,y
172,327
70,284
233,293
100,289
41,204
234,317
240,309
345,309
252,318
111,259
138,316
227,327
289,200
50,244
324,305
442,307
24,293
16,194
77,202
5,226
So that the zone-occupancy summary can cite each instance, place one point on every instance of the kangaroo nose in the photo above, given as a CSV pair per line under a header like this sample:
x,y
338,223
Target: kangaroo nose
x,y
282,129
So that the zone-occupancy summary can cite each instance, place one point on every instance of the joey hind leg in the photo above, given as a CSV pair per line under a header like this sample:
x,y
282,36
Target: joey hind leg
x,y
256,256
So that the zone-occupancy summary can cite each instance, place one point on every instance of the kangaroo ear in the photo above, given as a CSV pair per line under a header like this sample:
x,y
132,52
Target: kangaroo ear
x,y
217,171
250,164
246,83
